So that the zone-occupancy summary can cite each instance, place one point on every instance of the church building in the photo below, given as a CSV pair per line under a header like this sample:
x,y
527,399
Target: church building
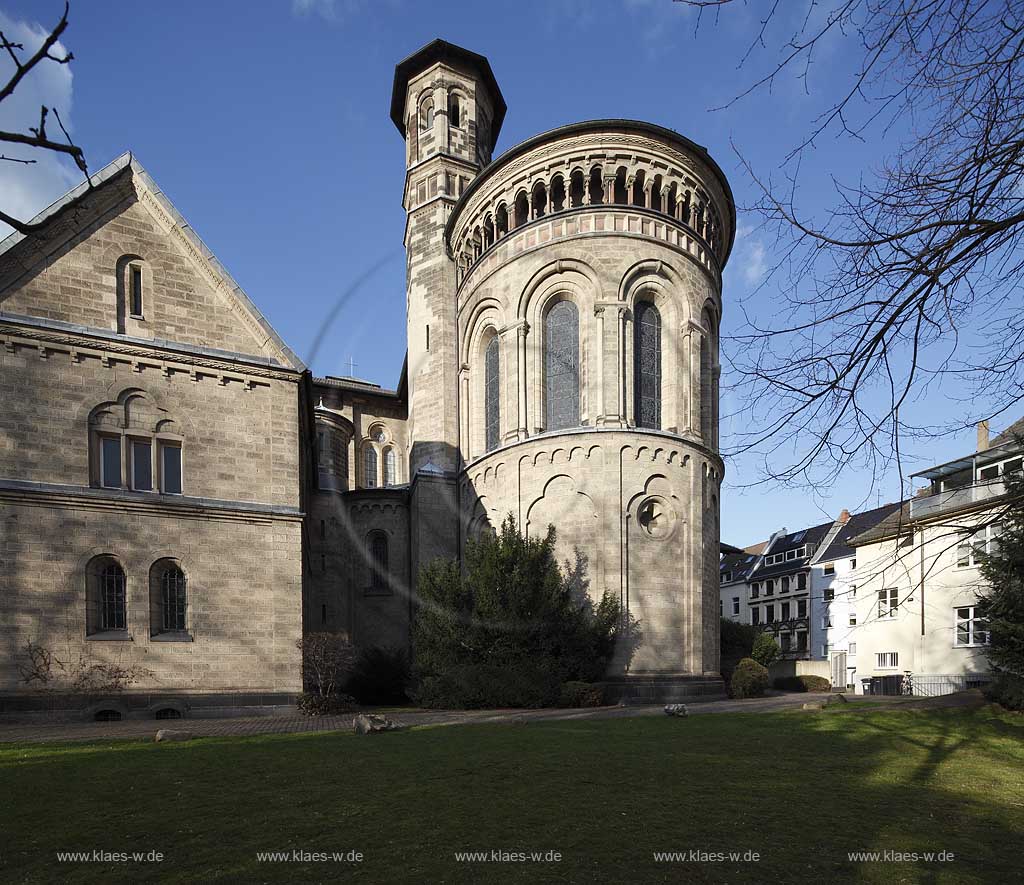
x,y
180,497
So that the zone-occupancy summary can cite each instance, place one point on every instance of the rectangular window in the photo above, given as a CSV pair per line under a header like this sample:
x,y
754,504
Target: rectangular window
x,y
785,585
851,648
887,660
801,581
755,590
828,594
830,569
769,614
974,546
428,338
755,615
170,469
735,605
801,608
969,628
801,641
785,611
110,462
769,587
136,291
786,642
142,465
790,554
888,602
853,563
826,622
824,650
853,619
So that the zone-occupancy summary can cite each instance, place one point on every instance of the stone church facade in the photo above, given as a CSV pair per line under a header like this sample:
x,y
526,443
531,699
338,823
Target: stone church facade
x,y
180,495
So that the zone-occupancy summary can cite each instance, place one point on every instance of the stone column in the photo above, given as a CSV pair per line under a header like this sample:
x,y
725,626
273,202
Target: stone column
x,y
611,380
513,421
522,330
465,426
692,333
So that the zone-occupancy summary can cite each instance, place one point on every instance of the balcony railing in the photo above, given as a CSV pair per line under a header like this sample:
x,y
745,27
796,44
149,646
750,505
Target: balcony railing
x,y
956,499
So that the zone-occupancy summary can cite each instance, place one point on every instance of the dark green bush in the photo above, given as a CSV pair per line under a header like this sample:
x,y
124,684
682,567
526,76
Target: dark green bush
x,y
379,676
736,641
802,683
510,627
315,704
581,694
749,679
766,650
1008,691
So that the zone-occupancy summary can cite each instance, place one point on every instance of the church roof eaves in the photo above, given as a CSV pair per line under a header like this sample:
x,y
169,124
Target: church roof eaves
x,y
127,163
589,126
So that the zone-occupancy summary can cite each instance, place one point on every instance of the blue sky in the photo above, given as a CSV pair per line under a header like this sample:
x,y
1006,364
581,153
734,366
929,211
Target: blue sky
x,y
267,125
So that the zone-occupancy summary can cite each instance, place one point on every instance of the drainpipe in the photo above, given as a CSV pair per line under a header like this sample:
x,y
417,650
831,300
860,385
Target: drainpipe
x,y
920,590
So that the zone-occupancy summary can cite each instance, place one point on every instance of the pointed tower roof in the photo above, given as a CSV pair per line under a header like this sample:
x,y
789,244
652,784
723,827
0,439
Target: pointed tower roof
x,y
441,50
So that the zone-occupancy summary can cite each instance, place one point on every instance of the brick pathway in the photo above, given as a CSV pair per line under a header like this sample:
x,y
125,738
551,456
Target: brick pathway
x,y
38,732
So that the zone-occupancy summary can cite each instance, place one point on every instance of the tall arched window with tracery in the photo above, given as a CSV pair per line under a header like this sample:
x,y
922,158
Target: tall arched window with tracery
x,y
647,365
708,391
562,366
369,466
390,467
492,395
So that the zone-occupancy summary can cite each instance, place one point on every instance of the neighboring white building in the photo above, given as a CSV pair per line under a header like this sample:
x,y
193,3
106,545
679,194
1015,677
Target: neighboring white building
x,y
834,615
917,576
733,571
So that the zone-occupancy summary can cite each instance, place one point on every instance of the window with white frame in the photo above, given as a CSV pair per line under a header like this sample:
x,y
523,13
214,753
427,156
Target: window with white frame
x,y
830,568
826,622
887,660
992,472
769,614
801,581
785,585
755,615
853,619
755,590
134,445
785,611
973,547
828,594
769,587
824,649
851,648
801,608
888,602
735,605
969,627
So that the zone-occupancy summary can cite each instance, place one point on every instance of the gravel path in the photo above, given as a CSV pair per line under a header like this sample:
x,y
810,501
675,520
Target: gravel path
x,y
39,732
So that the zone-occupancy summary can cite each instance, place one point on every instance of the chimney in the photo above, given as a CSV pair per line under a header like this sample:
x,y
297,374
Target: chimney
x,y
844,517
982,436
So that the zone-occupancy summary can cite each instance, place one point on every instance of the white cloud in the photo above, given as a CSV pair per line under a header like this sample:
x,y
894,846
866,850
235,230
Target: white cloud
x,y
329,10
25,190
751,256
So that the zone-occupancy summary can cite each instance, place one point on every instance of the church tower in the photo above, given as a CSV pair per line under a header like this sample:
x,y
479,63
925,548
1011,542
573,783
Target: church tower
x,y
447,105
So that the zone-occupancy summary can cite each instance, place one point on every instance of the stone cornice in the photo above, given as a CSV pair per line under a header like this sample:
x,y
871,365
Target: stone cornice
x,y
109,347
141,503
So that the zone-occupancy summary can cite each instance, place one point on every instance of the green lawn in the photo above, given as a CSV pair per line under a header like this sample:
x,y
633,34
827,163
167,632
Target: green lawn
x,y
801,789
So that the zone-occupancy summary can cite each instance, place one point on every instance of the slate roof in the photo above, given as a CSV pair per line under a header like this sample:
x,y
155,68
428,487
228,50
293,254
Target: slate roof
x,y
894,524
859,523
740,564
801,538
1011,433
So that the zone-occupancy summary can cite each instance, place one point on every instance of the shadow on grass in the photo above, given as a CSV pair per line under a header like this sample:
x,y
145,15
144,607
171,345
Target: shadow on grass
x,y
801,789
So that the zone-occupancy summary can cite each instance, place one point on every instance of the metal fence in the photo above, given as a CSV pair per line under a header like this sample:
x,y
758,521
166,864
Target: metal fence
x,y
924,685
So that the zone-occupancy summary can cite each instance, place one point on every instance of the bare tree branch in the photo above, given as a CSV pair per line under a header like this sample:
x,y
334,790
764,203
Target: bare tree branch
x,y
36,136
